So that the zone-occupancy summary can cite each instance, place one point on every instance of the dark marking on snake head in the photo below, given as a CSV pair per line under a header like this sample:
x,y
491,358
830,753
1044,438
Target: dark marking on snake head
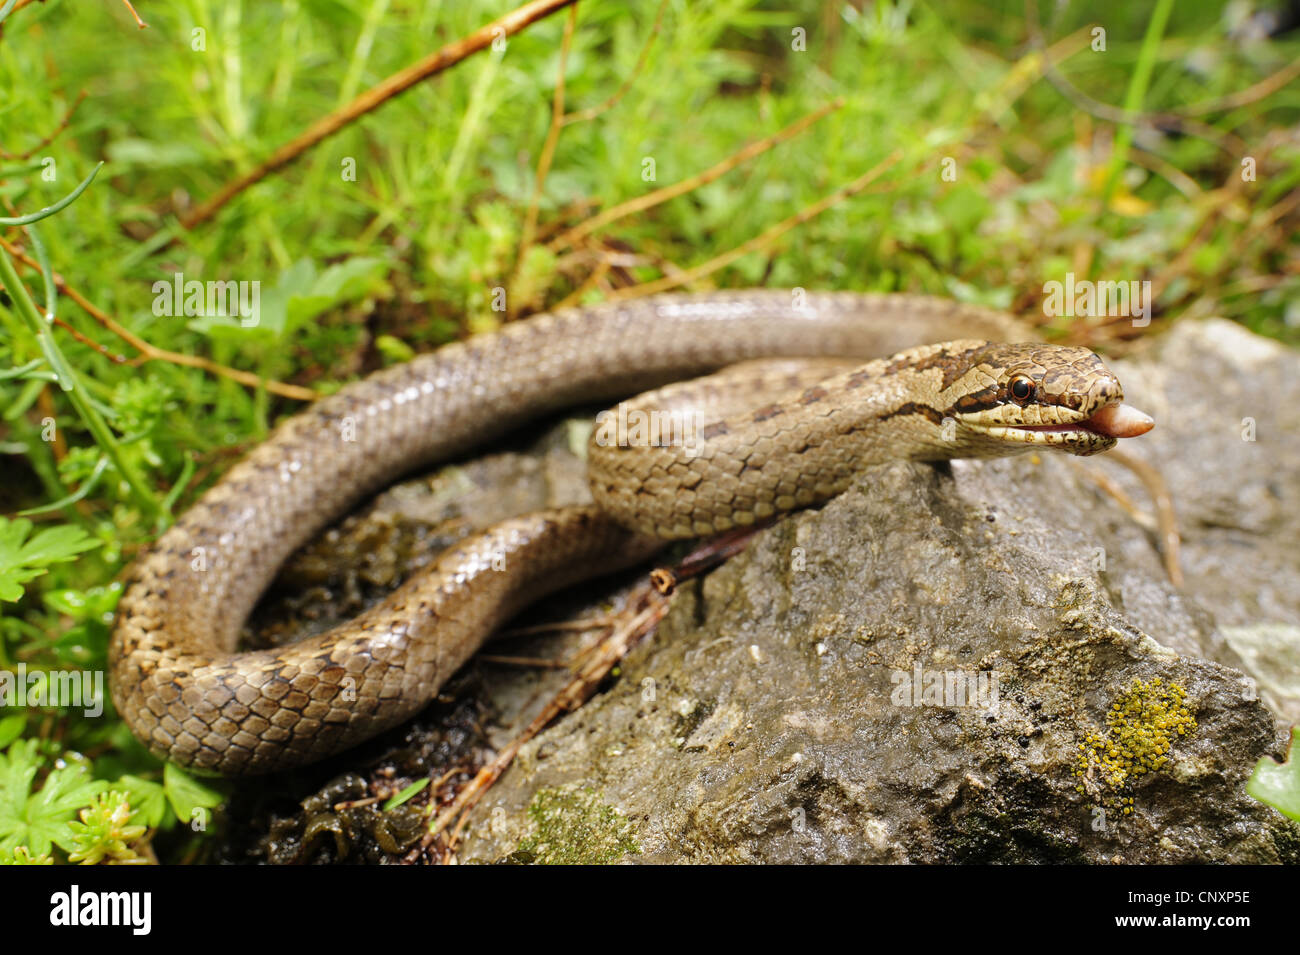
x,y
771,411
715,430
981,400
951,363
932,414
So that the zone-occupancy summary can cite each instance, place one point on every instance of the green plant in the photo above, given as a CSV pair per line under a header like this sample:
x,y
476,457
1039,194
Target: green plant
x,y
87,819
1278,784
105,831
23,557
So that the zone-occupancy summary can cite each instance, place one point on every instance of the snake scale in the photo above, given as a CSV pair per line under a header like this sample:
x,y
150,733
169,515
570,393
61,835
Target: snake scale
x,y
192,697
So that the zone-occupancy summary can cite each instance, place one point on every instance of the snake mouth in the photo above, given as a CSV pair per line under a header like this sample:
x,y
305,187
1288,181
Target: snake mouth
x,y
1092,434
1115,420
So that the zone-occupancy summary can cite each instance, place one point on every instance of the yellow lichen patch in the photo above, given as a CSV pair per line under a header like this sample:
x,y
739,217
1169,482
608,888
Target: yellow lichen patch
x,y
1142,725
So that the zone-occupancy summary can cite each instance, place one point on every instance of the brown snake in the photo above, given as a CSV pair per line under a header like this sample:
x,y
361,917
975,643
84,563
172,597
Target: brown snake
x,y
186,691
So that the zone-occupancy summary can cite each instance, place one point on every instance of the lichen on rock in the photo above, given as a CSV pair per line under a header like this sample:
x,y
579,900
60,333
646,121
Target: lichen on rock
x,y
1142,726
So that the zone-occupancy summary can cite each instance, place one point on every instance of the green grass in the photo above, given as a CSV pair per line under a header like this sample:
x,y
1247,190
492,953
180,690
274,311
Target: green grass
x,y
356,274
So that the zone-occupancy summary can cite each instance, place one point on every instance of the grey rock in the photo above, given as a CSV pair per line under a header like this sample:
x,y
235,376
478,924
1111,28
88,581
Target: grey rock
x,y
771,718
763,721
1228,443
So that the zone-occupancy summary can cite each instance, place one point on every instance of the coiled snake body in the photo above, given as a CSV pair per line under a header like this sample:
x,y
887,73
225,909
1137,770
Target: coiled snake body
x,y
185,690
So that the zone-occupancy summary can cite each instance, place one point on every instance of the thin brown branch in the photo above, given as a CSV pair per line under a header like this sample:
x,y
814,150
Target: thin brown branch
x,y
63,124
705,557
20,4
1164,524
1264,88
578,207
1182,122
150,352
590,282
1112,487
650,199
1259,229
1166,516
650,609
533,663
767,237
1027,70
1183,262
591,113
1283,207
1165,170
89,342
23,3
552,140
138,22
563,626
373,98
559,119
645,607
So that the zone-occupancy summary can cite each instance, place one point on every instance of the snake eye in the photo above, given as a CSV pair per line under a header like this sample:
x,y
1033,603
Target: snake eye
x,y
1021,388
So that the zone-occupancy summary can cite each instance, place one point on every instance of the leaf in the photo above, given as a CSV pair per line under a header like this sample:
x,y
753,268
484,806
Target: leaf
x,y
17,770
300,294
86,487
345,282
148,800
394,349
57,207
406,794
187,794
40,819
67,789
20,562
1278,784
350,279
36,364
21,856
11,727
95,603
153,155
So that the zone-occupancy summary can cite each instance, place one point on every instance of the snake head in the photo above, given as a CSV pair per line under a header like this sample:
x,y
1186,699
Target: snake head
x,y
1018,397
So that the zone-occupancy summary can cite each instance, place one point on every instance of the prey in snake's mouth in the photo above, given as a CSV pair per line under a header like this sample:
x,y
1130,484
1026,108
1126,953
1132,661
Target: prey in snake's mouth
x,y
1053,396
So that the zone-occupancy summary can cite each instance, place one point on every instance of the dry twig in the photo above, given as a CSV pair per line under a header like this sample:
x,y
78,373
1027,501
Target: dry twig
x,y
1166,519
647,608
767,237
373,98
63,124
150,352
658,196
